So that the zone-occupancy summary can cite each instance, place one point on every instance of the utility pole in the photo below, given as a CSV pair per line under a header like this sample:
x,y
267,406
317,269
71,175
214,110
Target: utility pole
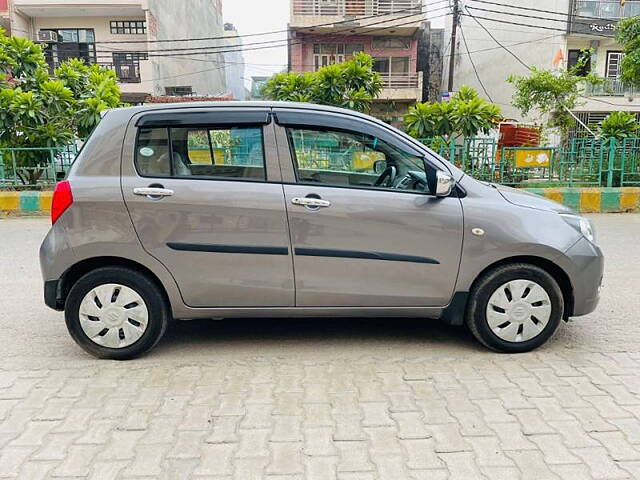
x,y
452,53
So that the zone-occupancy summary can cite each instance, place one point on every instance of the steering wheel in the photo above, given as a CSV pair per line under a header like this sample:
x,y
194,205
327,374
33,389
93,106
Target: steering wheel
x,y
387,178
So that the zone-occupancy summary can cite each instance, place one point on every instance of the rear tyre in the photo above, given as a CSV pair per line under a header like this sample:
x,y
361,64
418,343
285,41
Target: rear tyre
x,y
116,313
515,308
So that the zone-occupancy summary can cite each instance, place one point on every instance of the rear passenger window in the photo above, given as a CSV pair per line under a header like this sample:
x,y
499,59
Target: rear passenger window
x,y
152,152
203,152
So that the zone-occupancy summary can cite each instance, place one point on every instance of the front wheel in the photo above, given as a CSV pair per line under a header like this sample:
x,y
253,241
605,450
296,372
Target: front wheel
x,y
515,308
116,313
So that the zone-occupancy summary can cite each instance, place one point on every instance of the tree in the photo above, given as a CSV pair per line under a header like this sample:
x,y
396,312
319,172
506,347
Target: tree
x,y
466,114
628,34
619,125
553,94
352,84
38,110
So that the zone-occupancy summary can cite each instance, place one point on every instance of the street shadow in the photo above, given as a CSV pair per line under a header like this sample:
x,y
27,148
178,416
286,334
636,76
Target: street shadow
x,y
259,335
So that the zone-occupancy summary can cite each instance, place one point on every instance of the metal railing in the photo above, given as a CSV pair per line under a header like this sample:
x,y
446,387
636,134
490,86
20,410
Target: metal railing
x,y
35,167
611,87
127,72
585,161
607,9
355,8
399,80
581,162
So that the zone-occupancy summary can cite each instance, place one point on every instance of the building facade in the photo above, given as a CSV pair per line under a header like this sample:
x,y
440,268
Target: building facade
x,y
325,32
121,35
549,34
234,63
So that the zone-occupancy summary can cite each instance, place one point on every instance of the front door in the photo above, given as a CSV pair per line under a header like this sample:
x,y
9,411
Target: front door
x,y
363,230
203,203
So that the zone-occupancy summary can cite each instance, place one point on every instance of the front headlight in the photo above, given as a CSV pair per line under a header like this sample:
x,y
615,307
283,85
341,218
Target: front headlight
x,y
581,224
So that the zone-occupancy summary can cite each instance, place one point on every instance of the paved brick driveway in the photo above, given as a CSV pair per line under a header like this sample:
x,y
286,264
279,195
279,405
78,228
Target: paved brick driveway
x,y
347,399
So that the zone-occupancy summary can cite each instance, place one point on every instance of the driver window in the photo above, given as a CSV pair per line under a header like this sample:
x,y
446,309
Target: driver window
x,y
351,159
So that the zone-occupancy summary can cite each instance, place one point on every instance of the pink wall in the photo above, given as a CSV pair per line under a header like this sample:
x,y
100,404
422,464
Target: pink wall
x,y
4,5
302,53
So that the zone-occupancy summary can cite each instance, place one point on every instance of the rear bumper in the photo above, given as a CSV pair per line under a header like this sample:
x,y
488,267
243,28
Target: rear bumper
x,y
52,297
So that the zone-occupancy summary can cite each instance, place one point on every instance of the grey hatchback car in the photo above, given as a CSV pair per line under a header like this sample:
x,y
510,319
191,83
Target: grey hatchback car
x,y
253,209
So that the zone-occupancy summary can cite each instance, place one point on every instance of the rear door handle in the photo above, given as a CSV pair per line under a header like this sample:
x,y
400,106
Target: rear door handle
x,y
311,202
152,192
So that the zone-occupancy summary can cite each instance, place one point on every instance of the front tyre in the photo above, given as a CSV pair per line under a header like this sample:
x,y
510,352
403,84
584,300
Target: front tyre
x,y
116,313
515,308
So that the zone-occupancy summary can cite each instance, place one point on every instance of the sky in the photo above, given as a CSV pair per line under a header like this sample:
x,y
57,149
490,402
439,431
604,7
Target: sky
x,y
257,16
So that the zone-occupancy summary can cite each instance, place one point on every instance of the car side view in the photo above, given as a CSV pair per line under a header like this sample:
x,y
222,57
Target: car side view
x,y
265,209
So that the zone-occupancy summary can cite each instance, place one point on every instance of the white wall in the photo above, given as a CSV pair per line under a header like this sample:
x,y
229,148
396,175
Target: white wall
x,y
494,64
234,66
187,19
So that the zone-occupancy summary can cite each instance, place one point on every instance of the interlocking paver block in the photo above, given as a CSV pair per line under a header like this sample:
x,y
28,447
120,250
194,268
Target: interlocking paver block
x,y
630,427
461,465
531,422
188,444
489,452
225,430
591,420
448,439
35,433
216,459
249,468
348,427
618,446
37,470
410,425
11,458
287,428
600,464
253,443
421,454
494,411
286,458
511,437
319,442
78,461
320,468
148,460
354,456
532,465
554,451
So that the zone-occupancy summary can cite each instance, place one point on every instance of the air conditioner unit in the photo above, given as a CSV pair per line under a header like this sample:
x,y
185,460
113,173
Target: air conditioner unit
x,y
47,36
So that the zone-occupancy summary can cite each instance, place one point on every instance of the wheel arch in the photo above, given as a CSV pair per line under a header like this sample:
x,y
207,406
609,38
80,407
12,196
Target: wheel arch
x,y
81,268
553,269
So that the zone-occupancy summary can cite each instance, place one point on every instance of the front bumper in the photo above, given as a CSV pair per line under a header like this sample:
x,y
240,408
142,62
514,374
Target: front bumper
x,y
586,266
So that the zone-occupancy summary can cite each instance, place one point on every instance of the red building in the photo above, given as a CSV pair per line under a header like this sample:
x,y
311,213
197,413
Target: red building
x,y
324,32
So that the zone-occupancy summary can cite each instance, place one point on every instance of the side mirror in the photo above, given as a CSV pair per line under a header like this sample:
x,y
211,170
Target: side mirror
x,y
444,184
379,166
439,183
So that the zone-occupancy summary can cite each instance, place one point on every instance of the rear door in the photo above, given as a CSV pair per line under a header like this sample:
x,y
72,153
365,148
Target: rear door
x,y
204,194
355,243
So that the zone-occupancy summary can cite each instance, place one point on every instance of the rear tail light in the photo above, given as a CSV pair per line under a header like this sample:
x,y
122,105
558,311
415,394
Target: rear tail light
x,y
62,199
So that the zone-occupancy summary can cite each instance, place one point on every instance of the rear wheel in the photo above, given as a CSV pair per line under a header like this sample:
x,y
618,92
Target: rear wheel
x,y
116,313
515,308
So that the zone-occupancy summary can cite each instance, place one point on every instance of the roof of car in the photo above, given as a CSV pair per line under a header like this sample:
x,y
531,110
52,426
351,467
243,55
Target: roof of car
x,y
243,104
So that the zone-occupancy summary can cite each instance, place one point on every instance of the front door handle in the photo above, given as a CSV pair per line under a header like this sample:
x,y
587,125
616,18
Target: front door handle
x,y
153,192
311,202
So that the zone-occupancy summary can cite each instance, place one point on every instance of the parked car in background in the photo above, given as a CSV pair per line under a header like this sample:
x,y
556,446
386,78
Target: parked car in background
x,y
281,209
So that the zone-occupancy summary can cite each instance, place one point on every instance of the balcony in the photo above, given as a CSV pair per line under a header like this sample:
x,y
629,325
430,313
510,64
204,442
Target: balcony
x,y
79,8
401,86
307,13
600,16
612,88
